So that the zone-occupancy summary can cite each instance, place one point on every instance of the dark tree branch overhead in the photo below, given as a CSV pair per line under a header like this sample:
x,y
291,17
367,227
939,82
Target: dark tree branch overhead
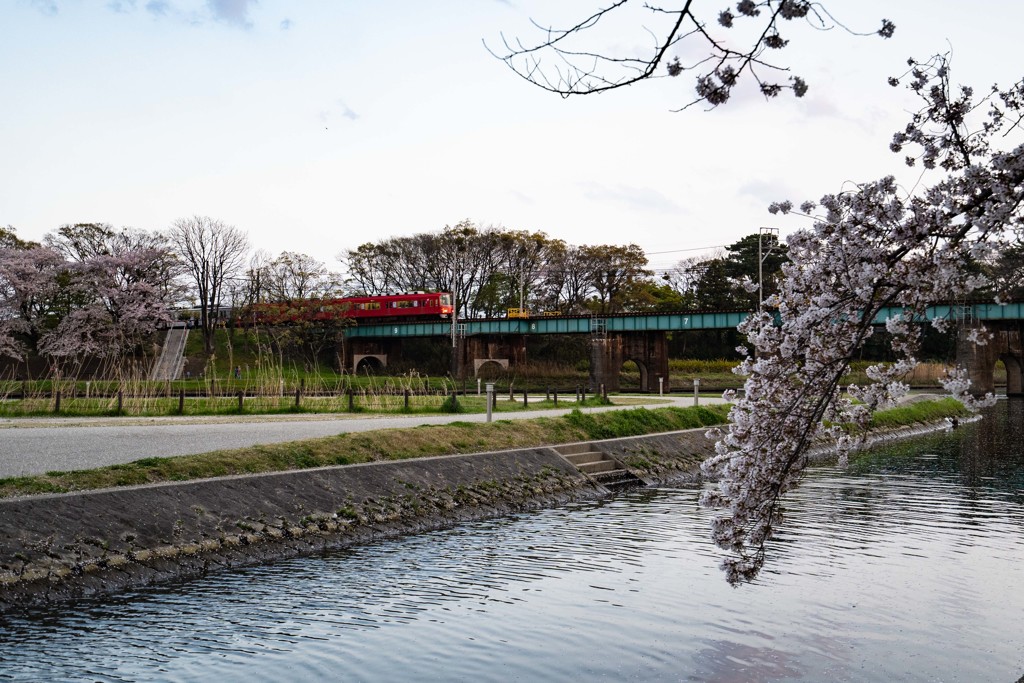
x,y
560,62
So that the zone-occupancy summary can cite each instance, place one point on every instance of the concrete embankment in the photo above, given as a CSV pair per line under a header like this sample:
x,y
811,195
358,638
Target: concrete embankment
x,y
63,546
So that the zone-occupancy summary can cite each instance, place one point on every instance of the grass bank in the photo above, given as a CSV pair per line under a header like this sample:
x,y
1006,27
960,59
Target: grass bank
x,y
921,412
418,442
384,444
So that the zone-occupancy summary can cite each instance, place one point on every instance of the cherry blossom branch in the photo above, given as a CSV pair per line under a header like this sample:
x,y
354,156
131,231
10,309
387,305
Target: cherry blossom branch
x,y
870,249
573,71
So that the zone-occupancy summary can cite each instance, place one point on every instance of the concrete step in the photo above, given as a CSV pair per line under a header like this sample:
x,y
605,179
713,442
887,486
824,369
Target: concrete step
x,y
574,448
583,458
598,466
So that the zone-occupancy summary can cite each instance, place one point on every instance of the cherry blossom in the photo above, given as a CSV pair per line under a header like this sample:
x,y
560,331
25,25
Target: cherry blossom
x,y
869,249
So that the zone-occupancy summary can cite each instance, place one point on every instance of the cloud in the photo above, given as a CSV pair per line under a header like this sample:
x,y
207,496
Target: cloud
x,y
158,8
121,6
764,192
341,109
348,113
286,24
48,7
642,198
233,12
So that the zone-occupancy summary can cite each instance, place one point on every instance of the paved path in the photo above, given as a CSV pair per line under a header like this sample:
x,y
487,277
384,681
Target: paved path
x,y
35,446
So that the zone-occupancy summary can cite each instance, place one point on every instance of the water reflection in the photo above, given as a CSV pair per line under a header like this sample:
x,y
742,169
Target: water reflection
x,y
906,567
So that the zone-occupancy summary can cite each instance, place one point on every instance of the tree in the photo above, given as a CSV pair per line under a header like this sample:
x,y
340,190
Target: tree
x,y
510,270
28,287
742,263
562,61
120,302
870,248
615,273
81,242
212,254
653,297
92,291
9,239
369,269
293,276
715,288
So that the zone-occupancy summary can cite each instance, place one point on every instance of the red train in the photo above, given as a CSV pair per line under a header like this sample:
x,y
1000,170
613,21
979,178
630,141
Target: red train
x,y
387,308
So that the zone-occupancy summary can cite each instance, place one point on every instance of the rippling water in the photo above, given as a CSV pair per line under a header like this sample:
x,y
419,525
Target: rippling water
x,y
908,566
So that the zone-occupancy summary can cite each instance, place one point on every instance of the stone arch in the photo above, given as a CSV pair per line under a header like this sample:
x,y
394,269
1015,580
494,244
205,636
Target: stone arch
x,y
480,362
373,362
1014,374
641,366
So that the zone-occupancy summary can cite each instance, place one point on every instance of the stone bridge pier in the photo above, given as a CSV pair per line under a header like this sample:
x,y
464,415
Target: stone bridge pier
x,y
1007,345
364,354
501,350
649,350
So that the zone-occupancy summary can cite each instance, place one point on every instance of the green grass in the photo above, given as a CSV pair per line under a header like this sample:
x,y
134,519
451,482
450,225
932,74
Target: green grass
x,y
423,441
918,413
385,444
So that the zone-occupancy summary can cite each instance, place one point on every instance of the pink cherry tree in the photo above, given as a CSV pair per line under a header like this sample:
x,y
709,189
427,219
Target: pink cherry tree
x,y
121,300
871,248
28,291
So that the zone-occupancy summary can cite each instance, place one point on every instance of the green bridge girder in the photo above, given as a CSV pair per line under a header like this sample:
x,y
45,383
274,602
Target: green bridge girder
x,y
556,325
1010,311
655,322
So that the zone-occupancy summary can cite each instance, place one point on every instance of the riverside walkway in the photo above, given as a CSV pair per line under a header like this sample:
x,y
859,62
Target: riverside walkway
x,y
38,445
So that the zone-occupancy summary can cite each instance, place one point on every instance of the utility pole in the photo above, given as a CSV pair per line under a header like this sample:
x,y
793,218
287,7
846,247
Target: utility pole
x,y
773,234
457,269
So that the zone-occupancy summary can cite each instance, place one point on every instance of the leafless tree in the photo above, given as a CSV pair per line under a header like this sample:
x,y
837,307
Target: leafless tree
x,y
567,60
294,276
212,254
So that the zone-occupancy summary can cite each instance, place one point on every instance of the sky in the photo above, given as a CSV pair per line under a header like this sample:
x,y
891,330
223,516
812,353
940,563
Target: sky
x,y
319,126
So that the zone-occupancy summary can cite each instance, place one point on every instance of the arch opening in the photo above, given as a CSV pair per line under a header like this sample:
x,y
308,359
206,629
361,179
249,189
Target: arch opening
x,y
489,368
1014,374
370,363
633,375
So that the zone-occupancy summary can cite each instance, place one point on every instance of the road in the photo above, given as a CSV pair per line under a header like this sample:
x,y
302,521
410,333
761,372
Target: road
x,y
38,445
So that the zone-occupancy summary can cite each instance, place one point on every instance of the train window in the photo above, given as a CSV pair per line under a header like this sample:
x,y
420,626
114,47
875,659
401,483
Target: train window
x,y
446,299
373,305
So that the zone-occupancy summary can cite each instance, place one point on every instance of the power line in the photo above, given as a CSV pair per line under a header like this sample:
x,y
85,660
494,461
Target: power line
x,y
675,251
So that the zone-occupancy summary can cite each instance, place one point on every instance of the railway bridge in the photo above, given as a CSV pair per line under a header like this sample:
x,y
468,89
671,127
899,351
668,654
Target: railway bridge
x,y
641,338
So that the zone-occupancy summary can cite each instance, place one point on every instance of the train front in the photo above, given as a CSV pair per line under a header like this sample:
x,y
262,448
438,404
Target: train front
x,y
446,306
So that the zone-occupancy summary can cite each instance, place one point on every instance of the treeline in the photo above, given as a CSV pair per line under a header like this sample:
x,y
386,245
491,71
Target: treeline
x,y
88,290
491,270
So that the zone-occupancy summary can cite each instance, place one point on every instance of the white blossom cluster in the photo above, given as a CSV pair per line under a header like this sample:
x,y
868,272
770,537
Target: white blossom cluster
x,y
870,249
99,307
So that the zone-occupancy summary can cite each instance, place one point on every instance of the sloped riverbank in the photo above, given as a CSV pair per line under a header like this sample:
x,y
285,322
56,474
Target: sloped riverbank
x,y
63,546
57,547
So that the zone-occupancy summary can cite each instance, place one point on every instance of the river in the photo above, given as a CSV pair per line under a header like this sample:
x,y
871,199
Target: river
x,y
907,566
